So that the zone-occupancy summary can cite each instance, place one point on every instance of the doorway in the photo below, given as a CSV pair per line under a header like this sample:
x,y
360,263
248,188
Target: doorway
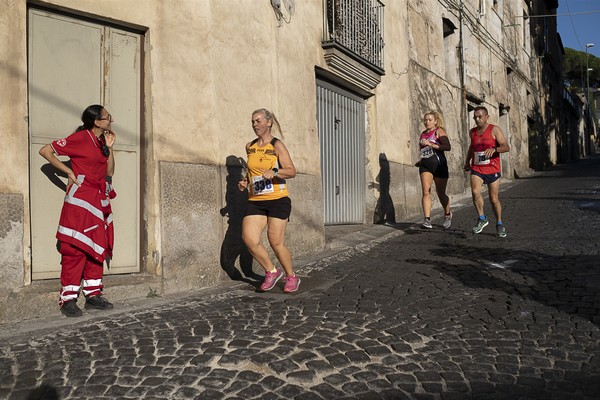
x,y
73,63
341,122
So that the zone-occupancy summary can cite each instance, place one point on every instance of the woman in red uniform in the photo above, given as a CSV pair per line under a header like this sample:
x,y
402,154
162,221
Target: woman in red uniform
x,y
269,165
85,230
433,166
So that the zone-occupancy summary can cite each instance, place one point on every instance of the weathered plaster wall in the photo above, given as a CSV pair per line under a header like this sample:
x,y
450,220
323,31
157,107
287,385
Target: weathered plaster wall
x,y
13,107
11,241
14,187
388,122
492,40
435,85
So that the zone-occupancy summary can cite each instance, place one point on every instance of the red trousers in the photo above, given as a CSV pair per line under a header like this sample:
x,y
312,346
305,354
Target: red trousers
x,y
77,264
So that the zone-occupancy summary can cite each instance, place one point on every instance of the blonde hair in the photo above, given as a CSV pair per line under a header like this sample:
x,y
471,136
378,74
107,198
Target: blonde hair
x,y
438,117
270,117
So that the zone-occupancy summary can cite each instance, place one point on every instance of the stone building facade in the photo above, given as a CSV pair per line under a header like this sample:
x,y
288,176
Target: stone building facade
x,y
348,80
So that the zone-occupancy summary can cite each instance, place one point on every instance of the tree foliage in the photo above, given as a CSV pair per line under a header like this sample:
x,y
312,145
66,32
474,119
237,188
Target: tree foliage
x,y
574,68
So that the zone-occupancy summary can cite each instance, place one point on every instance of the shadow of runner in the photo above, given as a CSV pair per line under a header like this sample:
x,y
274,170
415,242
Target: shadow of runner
x,y
384,209
233,245
44,392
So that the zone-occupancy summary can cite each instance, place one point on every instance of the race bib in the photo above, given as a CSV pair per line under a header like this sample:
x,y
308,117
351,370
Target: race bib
x,y
260,185
426,152
480,158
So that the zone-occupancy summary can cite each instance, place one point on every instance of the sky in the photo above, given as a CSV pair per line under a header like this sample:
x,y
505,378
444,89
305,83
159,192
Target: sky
x,y
576,30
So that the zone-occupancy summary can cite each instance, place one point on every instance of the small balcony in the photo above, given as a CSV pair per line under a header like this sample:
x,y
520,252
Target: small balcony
x,y
353,40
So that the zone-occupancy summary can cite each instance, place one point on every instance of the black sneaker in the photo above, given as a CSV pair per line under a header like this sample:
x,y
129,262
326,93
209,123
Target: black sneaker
x,y
71,309
98,303
501,230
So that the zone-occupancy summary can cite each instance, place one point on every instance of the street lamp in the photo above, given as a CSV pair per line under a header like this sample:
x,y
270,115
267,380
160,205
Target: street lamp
x,y
587,73
587,93
587,84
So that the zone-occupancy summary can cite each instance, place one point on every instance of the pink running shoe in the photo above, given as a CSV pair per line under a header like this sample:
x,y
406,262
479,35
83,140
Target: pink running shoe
x,y
271,279
291,284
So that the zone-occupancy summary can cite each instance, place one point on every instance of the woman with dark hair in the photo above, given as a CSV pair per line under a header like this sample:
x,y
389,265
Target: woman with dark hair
x,y
85,230
269,165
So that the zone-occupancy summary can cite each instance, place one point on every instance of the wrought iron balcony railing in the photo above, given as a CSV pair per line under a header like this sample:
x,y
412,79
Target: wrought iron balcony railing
x,y
357,26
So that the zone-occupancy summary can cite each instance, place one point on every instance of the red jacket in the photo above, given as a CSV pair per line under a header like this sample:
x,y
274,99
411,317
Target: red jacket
x,y
86,217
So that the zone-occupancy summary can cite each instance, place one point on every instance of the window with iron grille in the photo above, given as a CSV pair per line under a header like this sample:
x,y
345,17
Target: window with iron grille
x,y
356,27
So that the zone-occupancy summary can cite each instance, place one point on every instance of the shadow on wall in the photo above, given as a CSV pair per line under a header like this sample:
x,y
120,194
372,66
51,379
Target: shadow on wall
x,y
235,206
384,210
538,139
54,175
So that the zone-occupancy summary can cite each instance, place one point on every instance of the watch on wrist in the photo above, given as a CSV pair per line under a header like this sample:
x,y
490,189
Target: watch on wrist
x,y
275,171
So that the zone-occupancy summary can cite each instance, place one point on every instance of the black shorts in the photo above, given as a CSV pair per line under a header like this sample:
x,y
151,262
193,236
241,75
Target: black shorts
x,y
438,167
279,208
487,178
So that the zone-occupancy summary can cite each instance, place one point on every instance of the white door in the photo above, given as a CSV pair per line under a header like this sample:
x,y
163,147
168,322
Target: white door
x,y
73,64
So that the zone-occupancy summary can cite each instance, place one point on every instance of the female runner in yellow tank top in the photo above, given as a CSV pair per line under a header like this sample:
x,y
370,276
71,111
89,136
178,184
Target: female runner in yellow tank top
x,y
269,165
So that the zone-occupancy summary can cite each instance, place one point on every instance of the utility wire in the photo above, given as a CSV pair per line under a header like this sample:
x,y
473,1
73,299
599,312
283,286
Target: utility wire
x,y
572,23
578,42
562,15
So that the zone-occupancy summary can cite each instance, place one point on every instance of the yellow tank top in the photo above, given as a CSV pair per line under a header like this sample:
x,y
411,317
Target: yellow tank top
x,y
261,159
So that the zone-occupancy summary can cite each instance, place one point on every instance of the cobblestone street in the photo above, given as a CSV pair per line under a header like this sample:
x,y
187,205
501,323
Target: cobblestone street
x,y
408,314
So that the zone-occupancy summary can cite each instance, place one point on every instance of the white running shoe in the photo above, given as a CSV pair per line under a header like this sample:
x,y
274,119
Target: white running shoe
x,y
427,224
447,221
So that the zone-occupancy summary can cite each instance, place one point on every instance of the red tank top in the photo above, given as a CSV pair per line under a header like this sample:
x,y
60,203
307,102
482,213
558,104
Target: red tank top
x,y
479,143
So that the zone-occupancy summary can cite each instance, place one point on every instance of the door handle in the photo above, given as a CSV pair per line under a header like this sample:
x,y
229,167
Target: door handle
x,y
337,190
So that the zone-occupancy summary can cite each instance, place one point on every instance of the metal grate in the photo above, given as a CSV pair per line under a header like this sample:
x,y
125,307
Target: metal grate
x,y
356,25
